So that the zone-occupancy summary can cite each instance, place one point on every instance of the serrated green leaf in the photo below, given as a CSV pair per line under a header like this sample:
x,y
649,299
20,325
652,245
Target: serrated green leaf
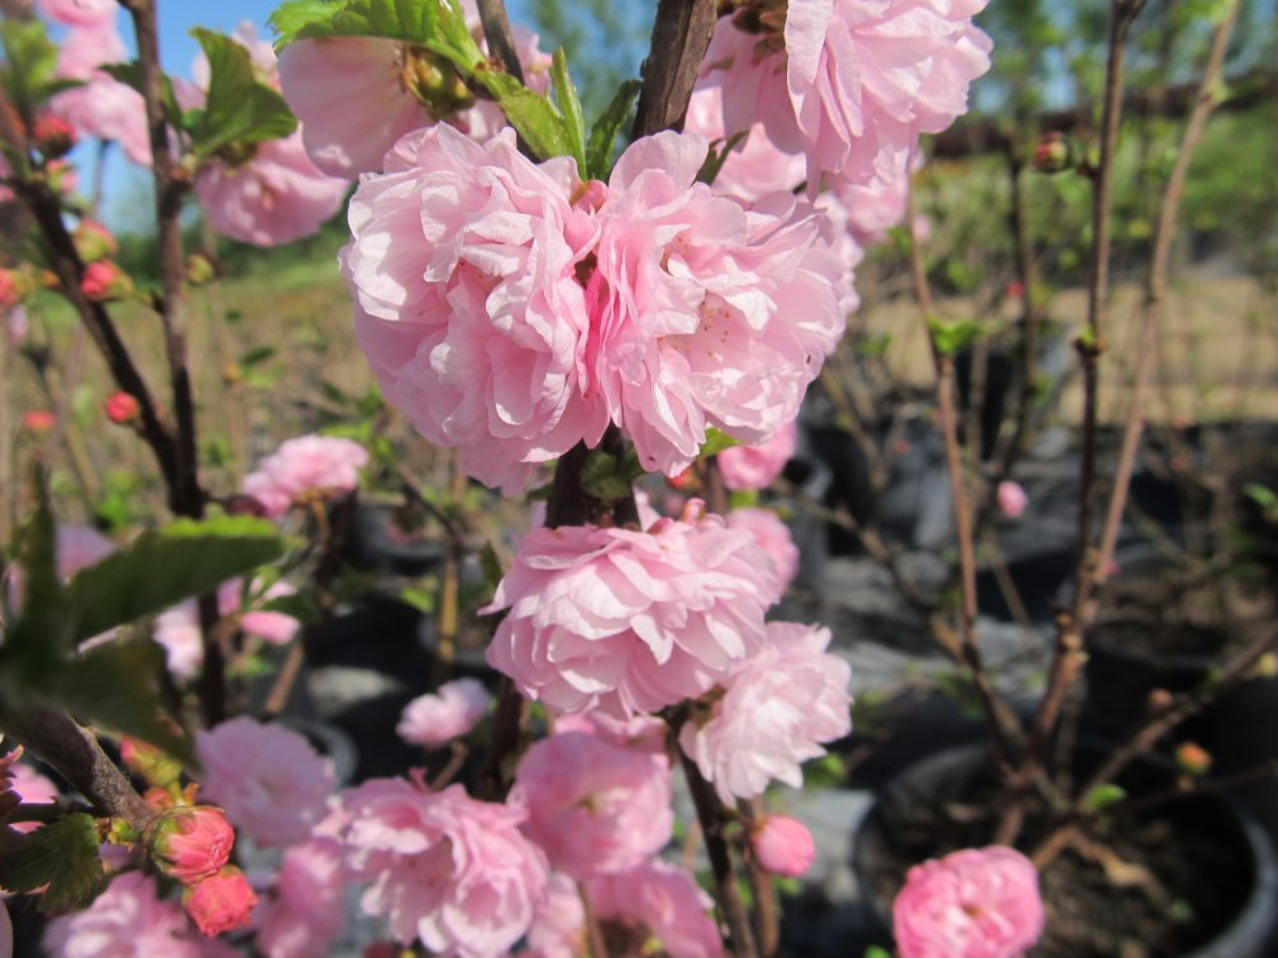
x,y
240,108
115,685
603,135
1102,797
574,121
716,442
62,855
294,16
412,21
533,116
161,569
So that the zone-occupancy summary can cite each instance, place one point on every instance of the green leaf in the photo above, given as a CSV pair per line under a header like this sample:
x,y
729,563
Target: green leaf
x,y
606,478
131,74
62,855
40,636
257,356
953,336
240,108
716,157
299,605
163,568
294,16
574,121
423,600
29,61
874,951
604,132
532,115
716,442
115,685
413,21
1102,797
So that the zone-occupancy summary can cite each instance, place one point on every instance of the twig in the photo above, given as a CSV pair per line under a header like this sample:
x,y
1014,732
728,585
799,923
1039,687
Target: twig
x,y
680,35
594,932
501,39
74,751
767,921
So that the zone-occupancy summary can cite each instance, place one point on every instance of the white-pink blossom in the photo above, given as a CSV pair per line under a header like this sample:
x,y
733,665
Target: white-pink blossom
x,y
773,536
973,903
594,807
178,629
779,707
306,911
558,928
269,780
455,873
128,920
755,167
463,267
705,311
851,84
438,718
305,467
658,901
80,13
103,107
630,621
756,467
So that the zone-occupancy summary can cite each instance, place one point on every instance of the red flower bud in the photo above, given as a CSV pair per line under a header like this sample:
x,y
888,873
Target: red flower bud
x,y
39,422
54,137
1053,153
122,408
104,282
192,843
221,903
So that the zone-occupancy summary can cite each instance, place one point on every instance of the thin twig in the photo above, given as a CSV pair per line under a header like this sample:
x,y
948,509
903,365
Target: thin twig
x,y
767,920
501,39
680,36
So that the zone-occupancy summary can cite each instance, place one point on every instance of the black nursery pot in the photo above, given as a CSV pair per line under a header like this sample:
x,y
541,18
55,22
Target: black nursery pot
x,y
1246,925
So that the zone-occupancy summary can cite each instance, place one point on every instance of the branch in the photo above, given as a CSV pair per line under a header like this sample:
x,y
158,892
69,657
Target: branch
x,y
680,36
74,751
501,39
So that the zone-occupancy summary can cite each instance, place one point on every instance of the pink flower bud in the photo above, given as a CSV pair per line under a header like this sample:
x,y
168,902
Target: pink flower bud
x,y
93,241
784,846
104,282
54,137
1053,153
192,843
10,289
39,422
155,766
122,408
1012,499
221,903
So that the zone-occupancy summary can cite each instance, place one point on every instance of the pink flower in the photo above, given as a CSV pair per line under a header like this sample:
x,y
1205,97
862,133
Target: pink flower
x,y
435,720
178,628
25,785
307,912
127,920
80,13
755,467
192,842
594,807
122,408
630,621
222,903
270,781
779,707
875,207
773,536
356,96
706,312
39,422
558,928
974,903
448,870
755,167
1012,499
103,107
306,466
463,268
11,292
851,84
657,900
784,846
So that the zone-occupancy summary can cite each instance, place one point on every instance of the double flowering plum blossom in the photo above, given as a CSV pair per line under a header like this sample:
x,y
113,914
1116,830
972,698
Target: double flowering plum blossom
x,y
191,842
973,903
754,167
757,467
630,621
178,629
273,194
305,468
269,780
850,84
783,846
453,872
594,807
704,311
657,901
307,910
103,107
357,96
558,928
81,13
436,719
780,705
127,920
463,268
222,903
19,782
773,536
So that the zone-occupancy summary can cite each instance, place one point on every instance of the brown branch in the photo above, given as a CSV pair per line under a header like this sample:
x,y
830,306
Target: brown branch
x,y
680,35
595,939
501,39
767,920
74,751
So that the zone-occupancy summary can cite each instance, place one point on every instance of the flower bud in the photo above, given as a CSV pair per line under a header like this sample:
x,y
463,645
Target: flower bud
x,y
62,177
1159,699
157,767
105,282
221,903
39,422
54,137
10,295
192,843
93,241
1012,499
1266,666
200,269
784,846
122,408
1193,759
1053,153
435,82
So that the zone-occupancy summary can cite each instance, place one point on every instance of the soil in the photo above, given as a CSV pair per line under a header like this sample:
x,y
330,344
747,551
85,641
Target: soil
x,y
1183,874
